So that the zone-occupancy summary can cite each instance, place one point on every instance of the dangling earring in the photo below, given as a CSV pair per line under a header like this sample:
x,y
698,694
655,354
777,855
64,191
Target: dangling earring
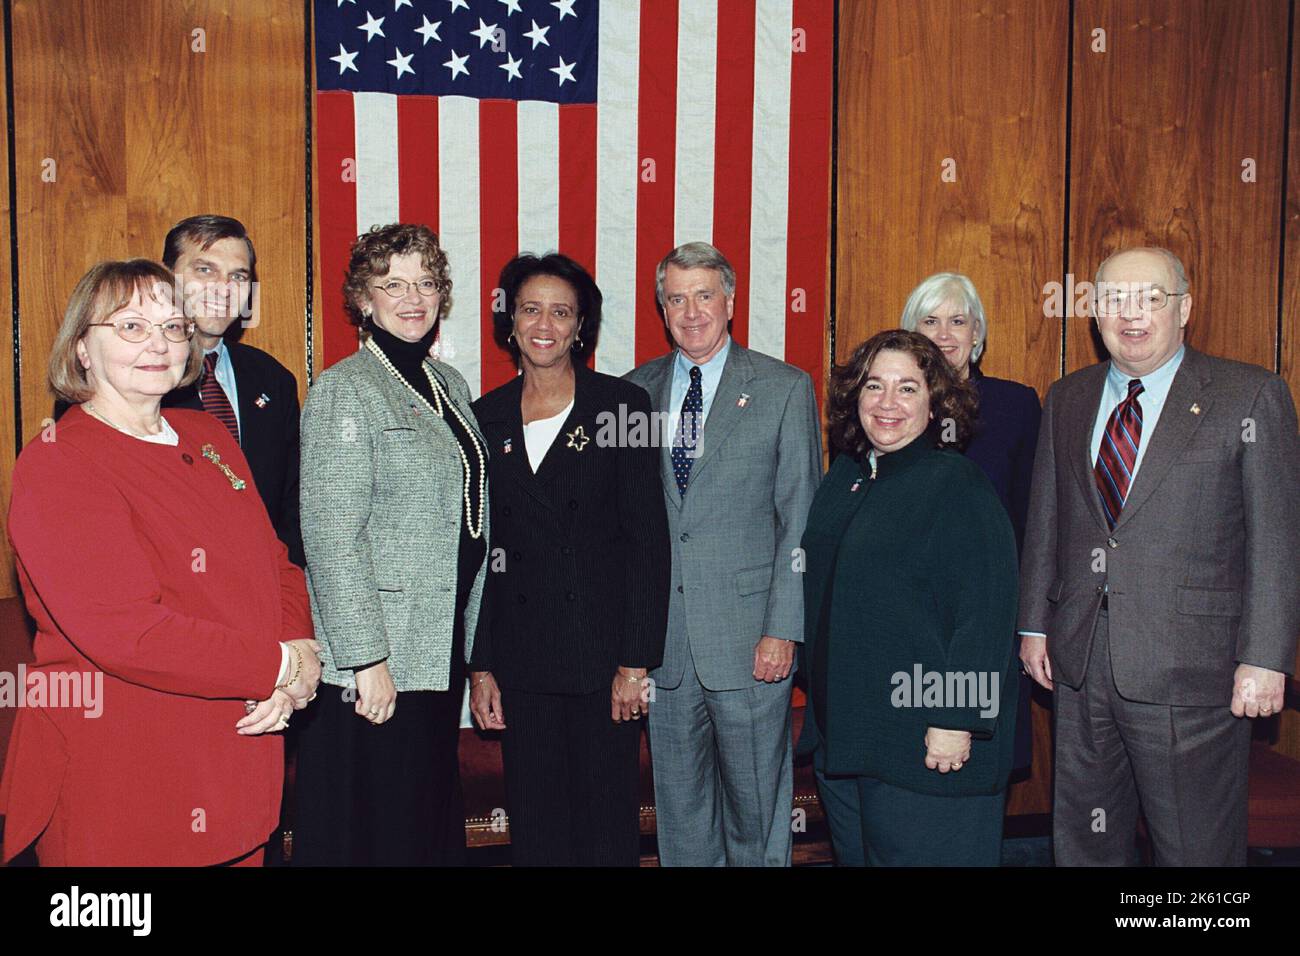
x,y
510,339
577,343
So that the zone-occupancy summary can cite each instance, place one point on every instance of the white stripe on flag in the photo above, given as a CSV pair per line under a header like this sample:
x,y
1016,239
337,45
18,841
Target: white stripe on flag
x,y
697,95
616,186
769,205
458,205
376,155
539,177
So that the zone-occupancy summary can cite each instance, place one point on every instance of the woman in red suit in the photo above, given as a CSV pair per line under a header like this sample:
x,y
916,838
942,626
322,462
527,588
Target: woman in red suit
x,y
173,634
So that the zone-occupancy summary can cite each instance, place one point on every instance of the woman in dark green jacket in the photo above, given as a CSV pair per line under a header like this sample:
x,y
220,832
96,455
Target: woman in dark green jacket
x,y
910,610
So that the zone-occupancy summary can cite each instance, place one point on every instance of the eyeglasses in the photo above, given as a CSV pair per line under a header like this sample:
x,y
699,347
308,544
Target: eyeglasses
x,y
398,287
1151,299
138,330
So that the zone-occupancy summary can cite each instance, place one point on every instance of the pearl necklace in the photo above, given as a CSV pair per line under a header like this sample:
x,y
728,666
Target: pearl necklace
x,y
438,398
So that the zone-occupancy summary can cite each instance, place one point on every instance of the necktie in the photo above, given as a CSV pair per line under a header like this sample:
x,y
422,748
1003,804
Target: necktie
x,y
1117,456
688,431
215,401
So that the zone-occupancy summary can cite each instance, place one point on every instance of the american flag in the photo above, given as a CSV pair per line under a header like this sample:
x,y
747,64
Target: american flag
x,y
611,131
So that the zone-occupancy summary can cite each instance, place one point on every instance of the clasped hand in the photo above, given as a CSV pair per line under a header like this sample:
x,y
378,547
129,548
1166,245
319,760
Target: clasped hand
x,y
273,713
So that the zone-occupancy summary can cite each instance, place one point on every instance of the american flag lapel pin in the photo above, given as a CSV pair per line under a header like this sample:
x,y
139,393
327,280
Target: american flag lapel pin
x,y
262,400
1195,409
505,449
742,401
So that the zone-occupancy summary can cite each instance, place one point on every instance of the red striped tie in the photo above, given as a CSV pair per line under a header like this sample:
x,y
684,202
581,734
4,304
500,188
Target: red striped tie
x,y
215,401
1117,456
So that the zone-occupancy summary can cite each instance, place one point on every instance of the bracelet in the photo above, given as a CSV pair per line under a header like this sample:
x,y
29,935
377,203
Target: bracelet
x,y
297,669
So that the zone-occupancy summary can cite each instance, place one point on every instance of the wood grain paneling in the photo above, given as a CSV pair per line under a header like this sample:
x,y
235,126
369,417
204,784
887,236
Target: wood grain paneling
x,y
982,85
1185,93
145,129
8,584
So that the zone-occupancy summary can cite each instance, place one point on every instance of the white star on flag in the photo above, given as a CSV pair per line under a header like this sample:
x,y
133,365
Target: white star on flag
x,y
346,60
372,26
485,33
538,35
512,6
457,64
398,4
402,63
457,4
511,66
566,8
428,30
564,71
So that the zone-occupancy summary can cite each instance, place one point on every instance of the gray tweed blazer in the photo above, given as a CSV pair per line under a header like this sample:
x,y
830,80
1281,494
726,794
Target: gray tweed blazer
x,y
381,497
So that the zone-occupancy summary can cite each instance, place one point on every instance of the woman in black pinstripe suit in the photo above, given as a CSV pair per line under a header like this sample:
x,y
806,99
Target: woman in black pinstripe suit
x,y
576,606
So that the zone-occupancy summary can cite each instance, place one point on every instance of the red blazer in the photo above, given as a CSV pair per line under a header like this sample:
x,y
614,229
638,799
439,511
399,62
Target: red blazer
x,y
143,562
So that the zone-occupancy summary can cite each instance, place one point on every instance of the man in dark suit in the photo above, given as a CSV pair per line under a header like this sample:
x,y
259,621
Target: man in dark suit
x,y
1160,579
738,478
249,391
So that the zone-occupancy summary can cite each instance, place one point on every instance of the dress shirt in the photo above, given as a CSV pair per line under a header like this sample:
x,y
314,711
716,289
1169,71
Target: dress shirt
x,y
1155,389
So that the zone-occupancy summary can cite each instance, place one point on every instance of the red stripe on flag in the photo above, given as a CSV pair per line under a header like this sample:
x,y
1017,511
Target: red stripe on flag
x,y
733,162
657,143
499,222
578,186
807,244
336,187
417,159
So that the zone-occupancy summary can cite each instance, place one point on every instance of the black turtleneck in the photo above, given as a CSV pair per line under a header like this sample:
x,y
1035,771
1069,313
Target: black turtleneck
x,y
407,357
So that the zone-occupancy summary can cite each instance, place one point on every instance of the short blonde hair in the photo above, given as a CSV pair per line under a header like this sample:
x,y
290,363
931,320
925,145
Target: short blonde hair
x,y
105,288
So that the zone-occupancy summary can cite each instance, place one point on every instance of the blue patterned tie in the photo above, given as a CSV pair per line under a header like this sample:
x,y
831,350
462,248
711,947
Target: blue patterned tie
x,y
688,431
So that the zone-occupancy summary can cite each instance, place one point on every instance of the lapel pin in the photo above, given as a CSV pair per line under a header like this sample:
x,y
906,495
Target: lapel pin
x,y
1196,409
505,449
857,483
742,401
577,439
262,400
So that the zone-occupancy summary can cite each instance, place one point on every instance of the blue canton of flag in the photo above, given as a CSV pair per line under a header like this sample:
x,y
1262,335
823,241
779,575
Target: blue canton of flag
x,y
485,49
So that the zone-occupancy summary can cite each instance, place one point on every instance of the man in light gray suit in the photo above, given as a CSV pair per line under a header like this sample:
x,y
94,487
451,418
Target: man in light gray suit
x,y
739,476
1160,579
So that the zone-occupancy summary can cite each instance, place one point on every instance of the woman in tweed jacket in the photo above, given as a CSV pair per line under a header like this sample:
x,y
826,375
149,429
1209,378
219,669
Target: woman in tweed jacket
x,y
394,516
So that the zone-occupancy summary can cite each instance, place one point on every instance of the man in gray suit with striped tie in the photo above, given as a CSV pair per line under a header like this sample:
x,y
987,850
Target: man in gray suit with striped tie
x,y
1160,578
739,474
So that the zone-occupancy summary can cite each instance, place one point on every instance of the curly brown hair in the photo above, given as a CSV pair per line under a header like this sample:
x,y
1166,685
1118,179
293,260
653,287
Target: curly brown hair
x,y
951,399
372,256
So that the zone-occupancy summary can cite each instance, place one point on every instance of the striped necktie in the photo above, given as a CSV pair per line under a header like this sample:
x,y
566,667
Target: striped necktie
x,y
1117,457
215,400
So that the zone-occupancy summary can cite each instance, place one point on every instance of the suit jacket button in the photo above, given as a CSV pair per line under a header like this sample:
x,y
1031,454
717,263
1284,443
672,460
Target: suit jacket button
x,y
522,599
570,596
679,589
516,555
573,505
566,550
505,510
684,537
1112,542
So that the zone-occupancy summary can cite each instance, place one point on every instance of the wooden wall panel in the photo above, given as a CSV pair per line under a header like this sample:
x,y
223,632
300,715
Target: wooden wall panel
x,y
983,85
8,584
146,129
1185,92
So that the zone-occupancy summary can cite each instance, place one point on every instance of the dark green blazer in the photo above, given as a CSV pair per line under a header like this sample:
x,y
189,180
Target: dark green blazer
x,y
920,619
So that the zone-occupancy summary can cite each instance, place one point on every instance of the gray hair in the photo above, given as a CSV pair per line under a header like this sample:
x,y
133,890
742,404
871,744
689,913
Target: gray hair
x,y
942,287
696,255
1175,265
